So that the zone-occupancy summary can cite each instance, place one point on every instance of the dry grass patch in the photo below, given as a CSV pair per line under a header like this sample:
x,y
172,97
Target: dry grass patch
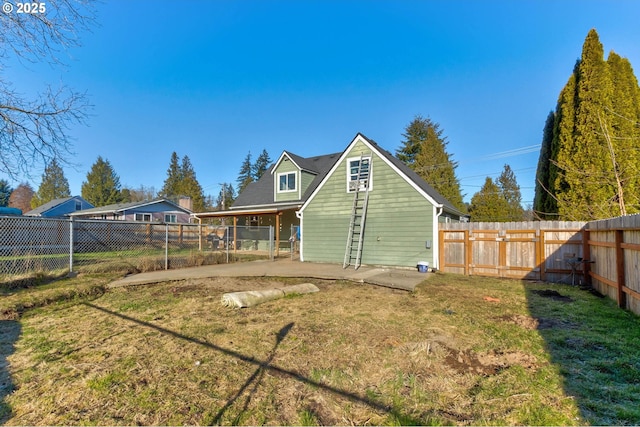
x,y
171,354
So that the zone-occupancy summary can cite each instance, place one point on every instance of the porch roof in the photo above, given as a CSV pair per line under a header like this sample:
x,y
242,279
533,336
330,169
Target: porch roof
x,y
257,210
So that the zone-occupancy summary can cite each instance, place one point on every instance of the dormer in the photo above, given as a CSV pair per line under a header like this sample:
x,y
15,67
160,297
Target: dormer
x,y
292,176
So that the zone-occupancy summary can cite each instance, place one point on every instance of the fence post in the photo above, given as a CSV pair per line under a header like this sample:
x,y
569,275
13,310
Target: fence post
x,y
70,245
166,246
620,273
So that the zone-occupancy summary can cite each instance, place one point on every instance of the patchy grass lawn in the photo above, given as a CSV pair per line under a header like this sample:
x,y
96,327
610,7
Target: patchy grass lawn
x,y
459,350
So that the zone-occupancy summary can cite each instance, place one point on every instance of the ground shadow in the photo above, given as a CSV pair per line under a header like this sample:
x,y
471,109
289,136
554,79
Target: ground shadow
x,y
595,346
9,333
263,366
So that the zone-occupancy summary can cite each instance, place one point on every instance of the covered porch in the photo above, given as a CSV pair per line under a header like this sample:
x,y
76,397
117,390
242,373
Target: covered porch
x,y
282,218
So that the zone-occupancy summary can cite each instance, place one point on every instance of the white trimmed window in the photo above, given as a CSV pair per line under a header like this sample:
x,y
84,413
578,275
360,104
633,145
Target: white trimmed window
x,y
287,182
144,217
170,218
353,166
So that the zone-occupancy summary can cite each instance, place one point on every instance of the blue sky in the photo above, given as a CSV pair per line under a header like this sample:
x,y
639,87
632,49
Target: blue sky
x,y
215,80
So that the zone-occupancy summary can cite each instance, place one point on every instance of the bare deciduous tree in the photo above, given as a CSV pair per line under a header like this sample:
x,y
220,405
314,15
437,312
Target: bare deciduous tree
x,y
35,130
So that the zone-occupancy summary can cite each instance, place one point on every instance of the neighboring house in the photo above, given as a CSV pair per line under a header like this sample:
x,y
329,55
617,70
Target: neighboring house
x,y
60,207
317,193
159,210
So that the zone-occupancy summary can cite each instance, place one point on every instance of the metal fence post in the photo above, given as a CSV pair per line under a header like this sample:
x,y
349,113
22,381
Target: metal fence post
x,y
70,245
226,233
166,246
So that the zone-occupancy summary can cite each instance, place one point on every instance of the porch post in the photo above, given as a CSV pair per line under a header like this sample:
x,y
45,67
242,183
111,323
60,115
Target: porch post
x,y
235,234
278,233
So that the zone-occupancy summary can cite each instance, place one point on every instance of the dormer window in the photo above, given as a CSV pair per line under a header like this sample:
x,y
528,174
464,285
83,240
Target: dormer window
x,y
287,182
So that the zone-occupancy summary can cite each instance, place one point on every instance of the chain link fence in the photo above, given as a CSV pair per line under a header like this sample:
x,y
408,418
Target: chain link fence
x,y
43,245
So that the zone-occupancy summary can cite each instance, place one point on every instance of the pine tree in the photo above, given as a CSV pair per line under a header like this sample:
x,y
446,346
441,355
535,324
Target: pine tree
x,y
488,204
54,185
245,176
21,197
5,192
261,165
424,151
171,189
510,192
102,186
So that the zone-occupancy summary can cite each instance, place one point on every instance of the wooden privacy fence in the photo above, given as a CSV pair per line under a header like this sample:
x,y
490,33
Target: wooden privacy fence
x,y
605,254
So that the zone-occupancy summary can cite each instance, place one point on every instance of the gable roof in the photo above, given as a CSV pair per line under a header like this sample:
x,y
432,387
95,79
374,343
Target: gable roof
x,y
121,207
261,192
410,176
52,204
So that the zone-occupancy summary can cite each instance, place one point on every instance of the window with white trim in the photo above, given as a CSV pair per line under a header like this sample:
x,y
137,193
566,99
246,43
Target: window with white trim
x,y
353,166
287,182
145,217
170,218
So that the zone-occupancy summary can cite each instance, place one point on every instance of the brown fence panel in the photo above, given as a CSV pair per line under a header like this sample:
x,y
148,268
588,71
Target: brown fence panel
x,y
540,250
604,253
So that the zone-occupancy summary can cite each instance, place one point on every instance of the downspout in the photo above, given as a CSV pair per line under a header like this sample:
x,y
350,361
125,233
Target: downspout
x,y
299,216
436,237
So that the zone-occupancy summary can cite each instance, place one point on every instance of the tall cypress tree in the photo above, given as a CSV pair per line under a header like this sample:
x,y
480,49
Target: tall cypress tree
x,y
54,185
593,162
102,186
424,151
540,200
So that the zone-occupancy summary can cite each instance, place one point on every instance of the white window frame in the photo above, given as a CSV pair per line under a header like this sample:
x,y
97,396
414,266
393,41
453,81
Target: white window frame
x,y
350,175
142,215
173,218
287,174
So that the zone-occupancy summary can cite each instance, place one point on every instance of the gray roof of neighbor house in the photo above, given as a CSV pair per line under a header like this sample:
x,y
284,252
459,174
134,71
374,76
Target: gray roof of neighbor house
x,y
50,205
261,192
120,207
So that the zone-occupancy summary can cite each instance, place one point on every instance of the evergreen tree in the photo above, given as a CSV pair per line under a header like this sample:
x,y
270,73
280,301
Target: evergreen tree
x,y
226,196
488,204
181,181
54,185
189,185
245,177
594,163
21,197
424,151
5,192
261,165
171,189
102,186
542,174
510,191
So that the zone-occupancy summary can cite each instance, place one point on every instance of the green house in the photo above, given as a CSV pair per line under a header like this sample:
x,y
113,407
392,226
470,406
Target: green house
x,y
317,195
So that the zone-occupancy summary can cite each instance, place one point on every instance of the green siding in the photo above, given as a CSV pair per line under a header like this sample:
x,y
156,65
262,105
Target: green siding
x,y
306,180
286,165
399,219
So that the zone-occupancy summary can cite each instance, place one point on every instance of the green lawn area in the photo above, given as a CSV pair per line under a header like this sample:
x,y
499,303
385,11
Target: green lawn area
x,y
459,350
